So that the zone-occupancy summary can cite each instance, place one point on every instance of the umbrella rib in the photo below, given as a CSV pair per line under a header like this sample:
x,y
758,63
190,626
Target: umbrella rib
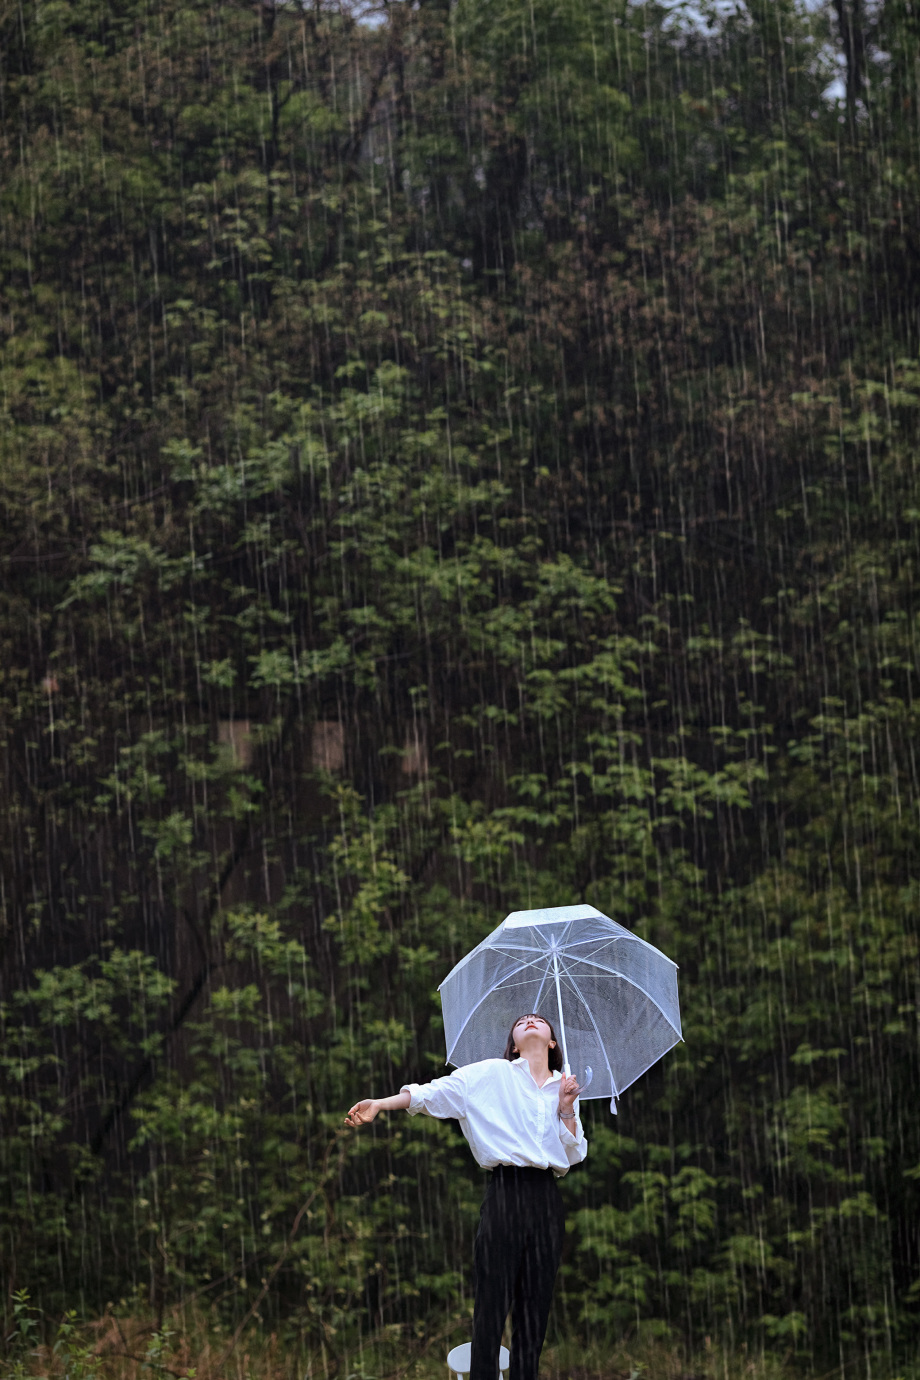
x,y
536,1000
602,944
639,988
502,982
582,999
507,983
537,961
595,952
532,948
566,944
516,949
485,996
625,937
632,939
619,1092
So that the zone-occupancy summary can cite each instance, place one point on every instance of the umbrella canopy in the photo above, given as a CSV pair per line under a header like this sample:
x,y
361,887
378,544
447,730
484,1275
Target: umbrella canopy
x,y
611,996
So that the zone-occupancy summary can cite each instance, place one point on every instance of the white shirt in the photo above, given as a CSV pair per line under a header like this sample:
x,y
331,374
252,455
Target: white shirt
x,y
504,1116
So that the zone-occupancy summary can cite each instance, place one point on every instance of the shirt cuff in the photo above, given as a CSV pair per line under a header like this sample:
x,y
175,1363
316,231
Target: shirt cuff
x,y
416,1100
565,1135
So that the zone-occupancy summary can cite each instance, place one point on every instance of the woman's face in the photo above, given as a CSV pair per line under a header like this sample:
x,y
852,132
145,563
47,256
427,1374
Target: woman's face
x,y
528,1026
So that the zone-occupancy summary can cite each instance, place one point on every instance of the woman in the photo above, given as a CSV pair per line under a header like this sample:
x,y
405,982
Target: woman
x,y
518,1115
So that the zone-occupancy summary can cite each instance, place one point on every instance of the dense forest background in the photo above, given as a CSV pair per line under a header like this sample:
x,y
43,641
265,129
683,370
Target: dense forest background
x,y
458,456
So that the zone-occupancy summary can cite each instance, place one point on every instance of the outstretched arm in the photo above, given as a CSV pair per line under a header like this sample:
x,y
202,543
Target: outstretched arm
x,y
363,1112
445,1097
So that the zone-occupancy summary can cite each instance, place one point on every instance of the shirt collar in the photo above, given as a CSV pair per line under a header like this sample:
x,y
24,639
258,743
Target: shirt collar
x,y
521,1063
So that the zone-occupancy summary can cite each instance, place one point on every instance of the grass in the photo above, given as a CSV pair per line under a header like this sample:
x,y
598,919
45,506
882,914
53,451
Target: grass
x,y
194,1346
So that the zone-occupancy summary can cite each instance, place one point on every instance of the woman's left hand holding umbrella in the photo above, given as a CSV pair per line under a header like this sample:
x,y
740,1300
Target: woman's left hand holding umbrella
x,y
568,1092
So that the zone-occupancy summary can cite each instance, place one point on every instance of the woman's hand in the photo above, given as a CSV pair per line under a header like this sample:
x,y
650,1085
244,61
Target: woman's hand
x,y
568,1091
362,1112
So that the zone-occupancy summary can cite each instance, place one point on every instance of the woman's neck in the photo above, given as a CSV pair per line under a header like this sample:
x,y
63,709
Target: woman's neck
x,y
539,1066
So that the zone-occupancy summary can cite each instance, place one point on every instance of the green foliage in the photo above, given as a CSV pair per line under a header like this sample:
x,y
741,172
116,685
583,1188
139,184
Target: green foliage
x,y
455,464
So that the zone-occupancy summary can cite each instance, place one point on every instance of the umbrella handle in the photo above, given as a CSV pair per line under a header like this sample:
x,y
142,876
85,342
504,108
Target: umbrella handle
x,y
586,1082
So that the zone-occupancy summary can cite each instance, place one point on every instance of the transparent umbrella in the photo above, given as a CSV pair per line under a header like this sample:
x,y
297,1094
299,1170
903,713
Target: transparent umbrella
x,y
614,995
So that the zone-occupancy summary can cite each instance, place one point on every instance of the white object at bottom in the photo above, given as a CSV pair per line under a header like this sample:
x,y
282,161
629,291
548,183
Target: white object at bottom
x,y
458,1360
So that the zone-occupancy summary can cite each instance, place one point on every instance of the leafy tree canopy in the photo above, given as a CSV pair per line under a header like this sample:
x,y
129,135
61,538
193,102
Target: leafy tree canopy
x,y
456,458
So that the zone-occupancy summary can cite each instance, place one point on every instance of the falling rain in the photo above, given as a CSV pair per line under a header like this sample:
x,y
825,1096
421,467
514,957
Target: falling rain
x,y
456,458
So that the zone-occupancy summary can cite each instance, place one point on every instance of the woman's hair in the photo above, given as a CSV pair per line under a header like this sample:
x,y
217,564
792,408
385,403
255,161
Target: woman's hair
x,y
554,1055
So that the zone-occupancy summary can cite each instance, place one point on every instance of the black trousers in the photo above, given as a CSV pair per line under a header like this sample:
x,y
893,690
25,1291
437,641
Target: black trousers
x,y
515,1259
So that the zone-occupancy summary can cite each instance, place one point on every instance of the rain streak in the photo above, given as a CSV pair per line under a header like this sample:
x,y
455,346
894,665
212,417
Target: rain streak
x,y
459,458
